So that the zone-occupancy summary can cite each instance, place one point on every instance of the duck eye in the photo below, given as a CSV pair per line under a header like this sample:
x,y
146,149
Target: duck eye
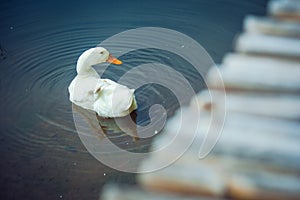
x,y
102,52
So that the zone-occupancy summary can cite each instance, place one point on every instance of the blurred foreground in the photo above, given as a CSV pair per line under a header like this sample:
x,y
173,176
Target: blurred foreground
x,y
258,153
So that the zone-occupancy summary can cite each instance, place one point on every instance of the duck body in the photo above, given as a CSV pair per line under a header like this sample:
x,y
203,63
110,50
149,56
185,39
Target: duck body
x,y
81,91
106,97
113,99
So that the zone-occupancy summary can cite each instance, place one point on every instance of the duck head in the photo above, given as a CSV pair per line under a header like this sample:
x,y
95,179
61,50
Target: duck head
x,y
95,56
99,55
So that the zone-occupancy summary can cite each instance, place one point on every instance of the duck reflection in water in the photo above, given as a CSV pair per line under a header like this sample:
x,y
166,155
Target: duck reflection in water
x,y
110,128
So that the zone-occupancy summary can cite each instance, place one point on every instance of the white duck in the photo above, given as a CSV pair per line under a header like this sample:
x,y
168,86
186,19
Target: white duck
x,y
104,96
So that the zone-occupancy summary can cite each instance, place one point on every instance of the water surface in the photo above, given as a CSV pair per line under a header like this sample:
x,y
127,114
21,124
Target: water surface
x,y
42,156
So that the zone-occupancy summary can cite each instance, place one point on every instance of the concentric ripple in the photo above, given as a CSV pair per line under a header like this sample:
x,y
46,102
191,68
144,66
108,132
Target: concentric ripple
x,y
42,72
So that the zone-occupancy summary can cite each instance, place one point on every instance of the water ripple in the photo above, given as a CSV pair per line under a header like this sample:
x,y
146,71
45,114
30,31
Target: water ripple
x,y
41,73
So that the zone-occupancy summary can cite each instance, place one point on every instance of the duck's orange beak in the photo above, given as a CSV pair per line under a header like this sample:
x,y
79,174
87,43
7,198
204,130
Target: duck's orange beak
x,y
113,60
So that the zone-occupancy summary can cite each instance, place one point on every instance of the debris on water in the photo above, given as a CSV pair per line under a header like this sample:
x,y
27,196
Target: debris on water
x,y
11,28
2,53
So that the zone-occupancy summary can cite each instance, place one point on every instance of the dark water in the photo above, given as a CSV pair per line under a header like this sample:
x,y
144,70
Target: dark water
x,y
42,156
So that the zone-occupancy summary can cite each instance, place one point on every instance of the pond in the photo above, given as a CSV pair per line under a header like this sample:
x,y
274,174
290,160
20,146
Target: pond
x,y
42,156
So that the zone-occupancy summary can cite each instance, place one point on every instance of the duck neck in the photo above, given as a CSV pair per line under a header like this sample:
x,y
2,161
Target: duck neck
x,y
84,68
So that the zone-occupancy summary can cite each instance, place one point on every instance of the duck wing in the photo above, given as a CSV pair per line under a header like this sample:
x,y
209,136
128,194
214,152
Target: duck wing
x,y
113,99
